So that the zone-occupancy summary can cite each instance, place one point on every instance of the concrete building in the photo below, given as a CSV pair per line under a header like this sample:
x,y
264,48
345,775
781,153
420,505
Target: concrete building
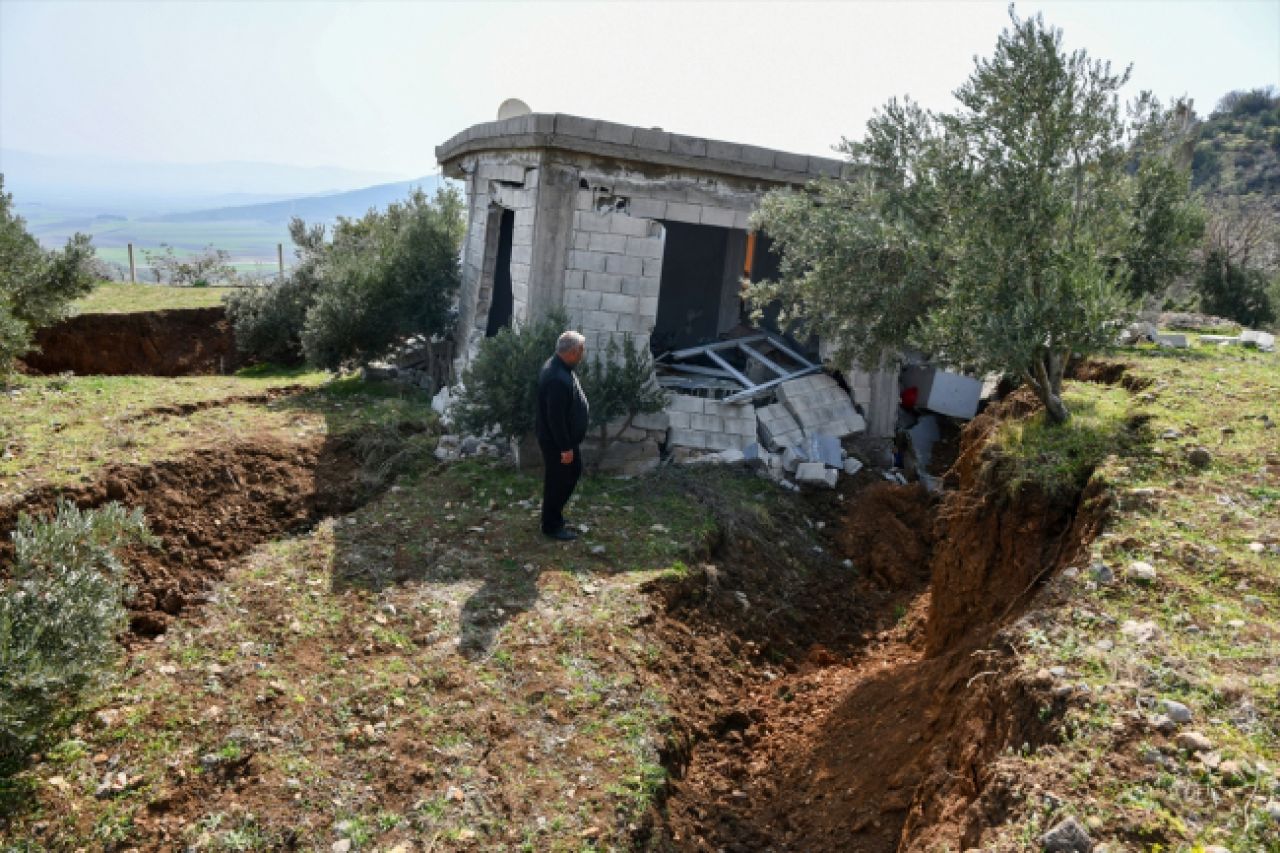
x,y
631,230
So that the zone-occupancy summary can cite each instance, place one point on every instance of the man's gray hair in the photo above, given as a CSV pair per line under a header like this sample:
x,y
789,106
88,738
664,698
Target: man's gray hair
x,y
569,341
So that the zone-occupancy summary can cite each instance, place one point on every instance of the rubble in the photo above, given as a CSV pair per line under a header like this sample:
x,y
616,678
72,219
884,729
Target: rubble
x,y
778,428
944,392
820,405
816,473
1260,340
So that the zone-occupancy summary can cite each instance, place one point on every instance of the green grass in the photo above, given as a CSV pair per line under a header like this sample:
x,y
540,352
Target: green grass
x,y
1209,534
61,430
114,298
1059,458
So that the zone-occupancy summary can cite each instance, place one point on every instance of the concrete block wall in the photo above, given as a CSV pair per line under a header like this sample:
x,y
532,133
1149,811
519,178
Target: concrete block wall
x,y
778,427
495,181
612,273
820,405
706,424
613,269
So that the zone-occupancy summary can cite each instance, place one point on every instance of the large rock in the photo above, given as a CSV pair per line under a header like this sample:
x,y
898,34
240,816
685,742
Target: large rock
x,y
1068,836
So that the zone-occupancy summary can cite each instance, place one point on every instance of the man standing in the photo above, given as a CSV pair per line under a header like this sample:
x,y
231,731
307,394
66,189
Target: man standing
x,y
561,426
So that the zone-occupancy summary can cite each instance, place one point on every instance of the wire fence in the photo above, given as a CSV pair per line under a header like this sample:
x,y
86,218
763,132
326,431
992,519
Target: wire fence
x,y
165,264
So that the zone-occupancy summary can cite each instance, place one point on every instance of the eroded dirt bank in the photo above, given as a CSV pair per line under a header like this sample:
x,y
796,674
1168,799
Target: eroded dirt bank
x,y
176,342
869,719
206,508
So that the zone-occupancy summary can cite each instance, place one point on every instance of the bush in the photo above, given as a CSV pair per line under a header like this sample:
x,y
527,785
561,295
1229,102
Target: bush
x,y
268,319
619,383
1232,290
383,278
196,270
36,286
59,615
500,386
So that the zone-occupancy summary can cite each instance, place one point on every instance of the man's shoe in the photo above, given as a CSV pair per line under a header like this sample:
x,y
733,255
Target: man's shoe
x,y
564,534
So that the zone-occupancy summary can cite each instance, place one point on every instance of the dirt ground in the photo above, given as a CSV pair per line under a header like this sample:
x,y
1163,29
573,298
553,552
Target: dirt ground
x,y
206,508
873,729
822,674
175,342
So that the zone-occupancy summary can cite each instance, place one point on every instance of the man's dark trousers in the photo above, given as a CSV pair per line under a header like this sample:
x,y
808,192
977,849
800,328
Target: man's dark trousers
x,y
562,417
557,485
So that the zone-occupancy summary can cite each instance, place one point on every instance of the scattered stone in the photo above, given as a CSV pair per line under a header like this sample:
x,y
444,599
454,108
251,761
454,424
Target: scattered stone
x,y
1257,547
1151,755
1175,341
1177,712
1058,671
598,550
1141,632
852,466
1163,724
1104,645
1272,809
342,845
1193,742
1200,457
1069,836
1102,573
1141,572
1217,848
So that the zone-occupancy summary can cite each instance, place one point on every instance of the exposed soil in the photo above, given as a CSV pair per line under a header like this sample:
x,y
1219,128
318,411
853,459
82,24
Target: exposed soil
x,y
206,508
182,410
176,342
996,547
1106,373
875,725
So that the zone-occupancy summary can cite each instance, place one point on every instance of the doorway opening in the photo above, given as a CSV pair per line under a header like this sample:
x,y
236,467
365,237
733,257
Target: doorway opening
x,y
501,299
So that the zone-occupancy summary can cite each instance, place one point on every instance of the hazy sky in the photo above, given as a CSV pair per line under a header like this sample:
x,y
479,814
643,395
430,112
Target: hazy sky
x,y
377,85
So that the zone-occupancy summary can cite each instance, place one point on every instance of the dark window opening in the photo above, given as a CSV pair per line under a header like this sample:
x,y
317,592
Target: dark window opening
x,y
692,293
501,301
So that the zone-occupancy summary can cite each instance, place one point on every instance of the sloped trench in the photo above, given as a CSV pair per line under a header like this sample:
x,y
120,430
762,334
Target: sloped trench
x,y
206,508
862,711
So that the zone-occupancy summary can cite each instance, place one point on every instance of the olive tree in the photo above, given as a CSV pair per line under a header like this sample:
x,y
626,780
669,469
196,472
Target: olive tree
x,y
1004,235
36,286
381,279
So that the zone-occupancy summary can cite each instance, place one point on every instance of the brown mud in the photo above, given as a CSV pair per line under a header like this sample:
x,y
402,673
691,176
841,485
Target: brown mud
x,y
175,342
874,724
205,509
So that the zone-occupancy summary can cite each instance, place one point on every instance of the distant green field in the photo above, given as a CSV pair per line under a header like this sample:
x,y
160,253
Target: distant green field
x,y
251,245
114,298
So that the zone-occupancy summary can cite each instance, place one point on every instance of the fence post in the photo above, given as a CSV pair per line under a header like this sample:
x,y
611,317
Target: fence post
x,y
280,258
133,270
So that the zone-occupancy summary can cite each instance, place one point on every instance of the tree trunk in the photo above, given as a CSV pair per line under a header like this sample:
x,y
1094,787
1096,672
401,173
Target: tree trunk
x,y
1046,381
1054,407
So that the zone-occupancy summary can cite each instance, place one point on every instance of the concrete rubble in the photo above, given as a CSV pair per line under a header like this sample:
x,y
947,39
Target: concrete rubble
x,y
819,405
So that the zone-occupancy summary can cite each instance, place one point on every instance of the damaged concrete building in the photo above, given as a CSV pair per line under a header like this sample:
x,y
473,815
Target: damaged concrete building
x,y
642,232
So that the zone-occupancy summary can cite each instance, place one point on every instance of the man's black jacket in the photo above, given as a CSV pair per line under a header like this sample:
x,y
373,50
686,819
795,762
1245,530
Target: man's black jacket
x,y
562,407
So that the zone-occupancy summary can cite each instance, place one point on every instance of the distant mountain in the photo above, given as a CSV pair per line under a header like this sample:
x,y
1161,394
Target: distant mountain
x,y
140,187
317,208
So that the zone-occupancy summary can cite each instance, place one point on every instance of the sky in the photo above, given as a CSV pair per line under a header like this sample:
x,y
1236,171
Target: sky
x,y
377,85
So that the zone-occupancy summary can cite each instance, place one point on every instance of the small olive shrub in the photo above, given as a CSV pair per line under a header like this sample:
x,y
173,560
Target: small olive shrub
x,y
60,612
